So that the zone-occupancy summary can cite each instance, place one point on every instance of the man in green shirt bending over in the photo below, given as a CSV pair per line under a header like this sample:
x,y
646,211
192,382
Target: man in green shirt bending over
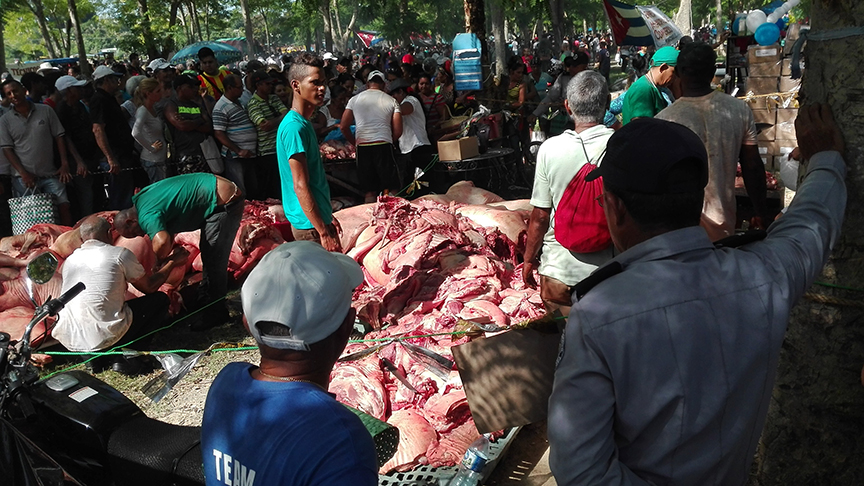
x,y
189,202
643,99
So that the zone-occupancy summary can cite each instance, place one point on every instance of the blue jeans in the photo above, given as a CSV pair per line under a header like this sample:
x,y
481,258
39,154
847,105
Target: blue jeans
x,y
49,185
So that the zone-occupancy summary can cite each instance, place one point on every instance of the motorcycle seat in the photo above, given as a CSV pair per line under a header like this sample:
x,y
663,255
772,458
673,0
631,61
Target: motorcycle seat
x,y
147,451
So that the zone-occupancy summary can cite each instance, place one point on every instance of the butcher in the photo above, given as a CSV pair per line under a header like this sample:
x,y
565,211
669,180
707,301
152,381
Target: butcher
x,y
558,161
276,423
100,317
668,361
191,202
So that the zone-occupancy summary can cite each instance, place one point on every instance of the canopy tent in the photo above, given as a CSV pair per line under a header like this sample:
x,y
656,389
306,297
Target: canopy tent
x,y
634,25
225,53
240,43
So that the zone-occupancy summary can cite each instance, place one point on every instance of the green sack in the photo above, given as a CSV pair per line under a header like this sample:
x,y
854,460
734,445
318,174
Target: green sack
x,y
386,436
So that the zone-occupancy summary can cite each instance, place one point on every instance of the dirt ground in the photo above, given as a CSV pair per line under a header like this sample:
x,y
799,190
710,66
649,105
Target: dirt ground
x,y
525,464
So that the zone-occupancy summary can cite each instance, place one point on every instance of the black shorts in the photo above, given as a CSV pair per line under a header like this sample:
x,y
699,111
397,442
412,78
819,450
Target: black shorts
x,y
376,168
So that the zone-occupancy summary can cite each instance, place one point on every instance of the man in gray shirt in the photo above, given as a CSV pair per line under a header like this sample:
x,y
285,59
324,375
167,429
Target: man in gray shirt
x,y
27,136
668,361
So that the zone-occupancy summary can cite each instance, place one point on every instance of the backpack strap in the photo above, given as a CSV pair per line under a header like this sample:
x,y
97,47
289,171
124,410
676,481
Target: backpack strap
x,y
603,273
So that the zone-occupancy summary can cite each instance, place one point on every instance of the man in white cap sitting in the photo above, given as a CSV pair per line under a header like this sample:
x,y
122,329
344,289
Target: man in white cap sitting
x,y
276,423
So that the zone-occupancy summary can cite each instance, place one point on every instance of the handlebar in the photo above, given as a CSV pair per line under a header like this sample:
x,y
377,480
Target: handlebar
x,y
55,305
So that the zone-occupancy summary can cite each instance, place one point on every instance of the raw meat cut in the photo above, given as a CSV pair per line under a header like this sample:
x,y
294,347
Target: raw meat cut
x,y
416,437
464,192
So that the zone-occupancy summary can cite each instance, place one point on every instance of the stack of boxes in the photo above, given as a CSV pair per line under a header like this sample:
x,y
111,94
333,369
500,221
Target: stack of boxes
x,y
770,74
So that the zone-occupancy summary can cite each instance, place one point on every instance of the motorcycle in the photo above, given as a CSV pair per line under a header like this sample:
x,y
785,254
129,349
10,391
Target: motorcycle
x,y
74,429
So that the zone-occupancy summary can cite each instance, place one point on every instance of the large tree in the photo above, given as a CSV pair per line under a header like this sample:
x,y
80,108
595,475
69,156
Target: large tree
x,y
816,419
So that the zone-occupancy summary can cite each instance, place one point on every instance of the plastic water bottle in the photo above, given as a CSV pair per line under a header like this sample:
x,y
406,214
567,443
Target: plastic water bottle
x,y
473,462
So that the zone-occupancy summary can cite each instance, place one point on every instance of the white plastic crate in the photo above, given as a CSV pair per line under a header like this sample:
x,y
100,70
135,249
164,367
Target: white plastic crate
x,y
439,476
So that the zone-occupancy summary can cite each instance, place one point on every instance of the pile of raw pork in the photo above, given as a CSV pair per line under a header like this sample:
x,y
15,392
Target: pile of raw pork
x,y
337,150
258,234
429,264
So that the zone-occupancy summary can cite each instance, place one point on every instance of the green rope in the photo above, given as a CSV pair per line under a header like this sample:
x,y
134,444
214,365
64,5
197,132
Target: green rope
x,y
835,286
113,350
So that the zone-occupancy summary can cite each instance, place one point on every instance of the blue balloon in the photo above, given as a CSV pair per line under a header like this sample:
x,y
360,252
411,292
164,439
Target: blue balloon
x,y
767,34
736,24
783,23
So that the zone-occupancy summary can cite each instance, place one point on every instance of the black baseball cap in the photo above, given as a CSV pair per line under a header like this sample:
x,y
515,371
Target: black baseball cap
x,y
185,79
641,155
260,75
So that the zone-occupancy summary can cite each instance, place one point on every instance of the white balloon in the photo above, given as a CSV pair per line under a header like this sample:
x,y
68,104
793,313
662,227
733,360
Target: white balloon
x,y
782,10
755,19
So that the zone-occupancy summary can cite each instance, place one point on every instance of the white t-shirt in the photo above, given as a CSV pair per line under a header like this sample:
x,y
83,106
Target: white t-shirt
x,y
724,124
413,127
98,317
373,114
558,161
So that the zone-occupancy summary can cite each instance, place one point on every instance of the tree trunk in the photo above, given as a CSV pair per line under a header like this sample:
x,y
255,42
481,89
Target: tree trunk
x,y
193,20
39,11
324,10
816,416
247,23
184,19
144,21
79,38
719,23
2,45
683,16
266,31
496,14
556,15
475,23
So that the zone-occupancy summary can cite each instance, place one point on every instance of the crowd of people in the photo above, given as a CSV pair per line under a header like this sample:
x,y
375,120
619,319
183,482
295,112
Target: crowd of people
x,y
645,390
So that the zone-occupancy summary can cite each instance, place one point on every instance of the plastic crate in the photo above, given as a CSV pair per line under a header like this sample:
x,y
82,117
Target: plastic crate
x,y
440,476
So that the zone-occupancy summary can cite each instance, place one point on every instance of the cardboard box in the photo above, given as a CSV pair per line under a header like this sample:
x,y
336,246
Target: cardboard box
x,y
788,84
783,148
761,86
757,54
455,150
786,70
765,121
785,126
765,69
768,161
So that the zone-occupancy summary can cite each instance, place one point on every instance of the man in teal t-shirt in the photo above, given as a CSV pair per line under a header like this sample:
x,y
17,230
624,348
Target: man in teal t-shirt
x,y
189,202
644,99
305,192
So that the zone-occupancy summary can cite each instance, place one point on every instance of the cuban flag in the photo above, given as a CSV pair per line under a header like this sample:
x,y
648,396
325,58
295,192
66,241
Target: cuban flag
x,y
640,26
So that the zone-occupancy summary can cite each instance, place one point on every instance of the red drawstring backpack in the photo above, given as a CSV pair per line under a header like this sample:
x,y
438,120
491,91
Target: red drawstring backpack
x,y
580,223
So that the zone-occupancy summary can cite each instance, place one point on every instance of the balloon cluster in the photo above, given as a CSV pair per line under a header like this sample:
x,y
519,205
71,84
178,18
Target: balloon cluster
x,y
765,27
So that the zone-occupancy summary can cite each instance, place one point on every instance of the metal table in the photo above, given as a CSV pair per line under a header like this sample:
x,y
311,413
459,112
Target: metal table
x,y
494,170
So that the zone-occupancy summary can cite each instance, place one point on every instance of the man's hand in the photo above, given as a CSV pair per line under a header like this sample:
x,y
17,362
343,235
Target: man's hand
x,y
179,256
245,154
65,176
157,145
330,238
817,131
268,125
28,179
82,170
528,273
114,167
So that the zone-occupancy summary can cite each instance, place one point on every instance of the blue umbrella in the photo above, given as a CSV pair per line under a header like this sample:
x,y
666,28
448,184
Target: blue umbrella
x,y
225,53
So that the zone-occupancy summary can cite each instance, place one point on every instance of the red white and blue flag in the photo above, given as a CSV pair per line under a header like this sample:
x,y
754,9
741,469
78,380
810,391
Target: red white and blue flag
x,y
633,25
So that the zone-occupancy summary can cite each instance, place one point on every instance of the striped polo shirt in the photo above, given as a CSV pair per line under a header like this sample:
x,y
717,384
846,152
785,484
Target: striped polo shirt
x,y
231,118
260,110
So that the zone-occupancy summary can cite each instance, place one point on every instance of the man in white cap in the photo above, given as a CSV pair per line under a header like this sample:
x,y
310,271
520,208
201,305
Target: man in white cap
x,y
276,423
46,67
379,125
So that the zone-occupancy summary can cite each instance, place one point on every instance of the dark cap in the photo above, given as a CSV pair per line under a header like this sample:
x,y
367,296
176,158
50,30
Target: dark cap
x,y
399,84
260,75
185,79
205,52
641,155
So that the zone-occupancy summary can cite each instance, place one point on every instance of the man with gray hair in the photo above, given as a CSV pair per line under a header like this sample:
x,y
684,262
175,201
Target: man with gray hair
x,y
100,316
238,136
558,161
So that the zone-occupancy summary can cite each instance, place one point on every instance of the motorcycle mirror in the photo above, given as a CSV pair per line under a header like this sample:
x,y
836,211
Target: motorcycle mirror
x,y
41,269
